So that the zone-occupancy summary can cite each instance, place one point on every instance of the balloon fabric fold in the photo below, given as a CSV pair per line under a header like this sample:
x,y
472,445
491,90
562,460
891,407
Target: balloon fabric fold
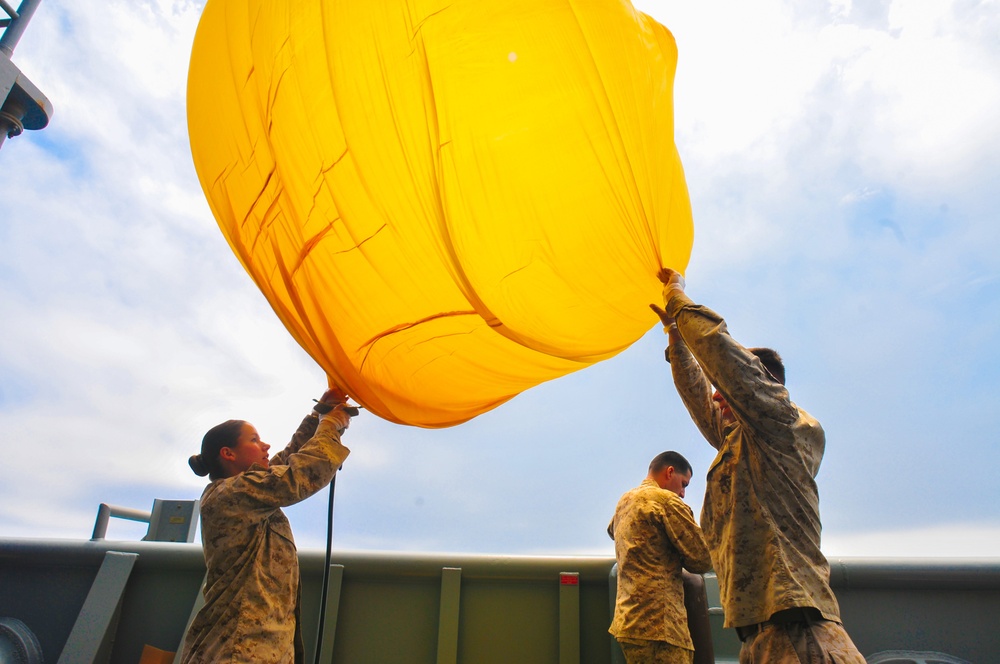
x,y
445,203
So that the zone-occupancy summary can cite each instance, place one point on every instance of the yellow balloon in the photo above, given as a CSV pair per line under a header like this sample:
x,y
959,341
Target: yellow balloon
x,y
445,202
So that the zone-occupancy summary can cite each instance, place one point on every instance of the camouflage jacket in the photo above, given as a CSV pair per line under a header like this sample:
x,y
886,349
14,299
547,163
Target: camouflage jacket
x,y
655,536
761,509
251,611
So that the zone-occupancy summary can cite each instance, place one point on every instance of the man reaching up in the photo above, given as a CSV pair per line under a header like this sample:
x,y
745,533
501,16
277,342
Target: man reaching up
x,y
761,510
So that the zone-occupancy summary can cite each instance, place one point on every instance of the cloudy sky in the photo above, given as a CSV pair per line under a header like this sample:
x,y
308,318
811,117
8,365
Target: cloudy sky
x,y
842,159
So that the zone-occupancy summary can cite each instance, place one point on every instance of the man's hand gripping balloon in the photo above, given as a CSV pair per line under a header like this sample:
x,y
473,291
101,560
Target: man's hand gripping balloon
x,y
672,281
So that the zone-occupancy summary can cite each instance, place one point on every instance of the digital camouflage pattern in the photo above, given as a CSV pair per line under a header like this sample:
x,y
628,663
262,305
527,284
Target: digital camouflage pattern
x,y
655,652
798,643
655,537
251,611
761,509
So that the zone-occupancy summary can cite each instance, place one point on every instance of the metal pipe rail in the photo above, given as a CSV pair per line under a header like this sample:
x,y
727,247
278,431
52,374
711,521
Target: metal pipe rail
x,y
105,512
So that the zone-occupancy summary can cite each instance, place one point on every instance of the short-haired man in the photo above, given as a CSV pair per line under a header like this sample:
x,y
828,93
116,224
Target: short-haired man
x,y
655,538
761,509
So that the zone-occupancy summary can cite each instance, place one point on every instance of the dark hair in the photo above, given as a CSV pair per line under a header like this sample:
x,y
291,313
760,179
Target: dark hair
x,y
664,459
219,436
771,361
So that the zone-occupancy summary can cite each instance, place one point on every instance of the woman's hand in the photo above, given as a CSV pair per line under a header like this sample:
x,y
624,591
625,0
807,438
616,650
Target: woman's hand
x,y
333,396
334,403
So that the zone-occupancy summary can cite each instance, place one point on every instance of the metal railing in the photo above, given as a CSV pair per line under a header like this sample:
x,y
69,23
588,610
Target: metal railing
x,y
105,512
169,520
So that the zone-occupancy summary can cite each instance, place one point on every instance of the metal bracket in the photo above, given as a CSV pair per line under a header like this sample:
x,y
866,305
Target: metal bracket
x,y
95,625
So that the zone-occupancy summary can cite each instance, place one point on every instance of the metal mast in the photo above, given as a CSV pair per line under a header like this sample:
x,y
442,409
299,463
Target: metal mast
x,y
22,105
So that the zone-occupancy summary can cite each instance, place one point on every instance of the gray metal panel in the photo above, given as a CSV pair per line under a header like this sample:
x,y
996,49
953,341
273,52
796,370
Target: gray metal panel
x,y
173,521
8,76
27,100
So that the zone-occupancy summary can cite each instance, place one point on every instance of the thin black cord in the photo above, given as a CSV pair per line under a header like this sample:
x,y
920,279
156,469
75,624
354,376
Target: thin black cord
x,y
326,572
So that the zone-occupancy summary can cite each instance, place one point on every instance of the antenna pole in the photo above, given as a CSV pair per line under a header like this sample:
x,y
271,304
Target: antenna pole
x,y
22,105
18,22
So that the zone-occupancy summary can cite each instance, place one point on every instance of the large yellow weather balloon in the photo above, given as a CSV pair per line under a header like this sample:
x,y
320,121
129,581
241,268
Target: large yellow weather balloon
x,y
446,202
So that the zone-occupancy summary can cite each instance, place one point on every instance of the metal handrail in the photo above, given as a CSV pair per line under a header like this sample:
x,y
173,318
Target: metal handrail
x,y
105,512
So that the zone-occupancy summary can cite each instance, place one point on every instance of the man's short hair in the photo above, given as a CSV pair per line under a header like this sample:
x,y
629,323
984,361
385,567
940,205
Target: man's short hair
x,y
771,361
664,459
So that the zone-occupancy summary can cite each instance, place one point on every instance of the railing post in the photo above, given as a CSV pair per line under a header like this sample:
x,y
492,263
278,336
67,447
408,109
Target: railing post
x,y
569,618
105,512
451,593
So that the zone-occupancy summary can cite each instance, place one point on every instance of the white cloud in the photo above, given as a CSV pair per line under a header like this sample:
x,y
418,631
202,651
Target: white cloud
x,y
958,540
798,104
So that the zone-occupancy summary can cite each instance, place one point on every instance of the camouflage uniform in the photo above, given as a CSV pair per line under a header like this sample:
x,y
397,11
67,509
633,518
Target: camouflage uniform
x,y
761,509
655,652
252,595
655,537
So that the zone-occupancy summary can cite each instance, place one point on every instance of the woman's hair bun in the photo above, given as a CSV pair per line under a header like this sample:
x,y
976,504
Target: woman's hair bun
x,y
198,465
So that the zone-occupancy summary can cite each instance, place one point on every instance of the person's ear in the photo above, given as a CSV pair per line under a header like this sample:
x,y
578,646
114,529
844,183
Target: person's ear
x,y
228,454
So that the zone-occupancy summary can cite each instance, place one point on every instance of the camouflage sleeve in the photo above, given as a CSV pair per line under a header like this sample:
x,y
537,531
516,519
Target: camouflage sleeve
x,y
686,536
305,472
757,400
695,391
305,431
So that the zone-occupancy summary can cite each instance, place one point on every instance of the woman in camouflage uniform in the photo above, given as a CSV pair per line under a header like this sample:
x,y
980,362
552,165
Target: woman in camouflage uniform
x,y
252,596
